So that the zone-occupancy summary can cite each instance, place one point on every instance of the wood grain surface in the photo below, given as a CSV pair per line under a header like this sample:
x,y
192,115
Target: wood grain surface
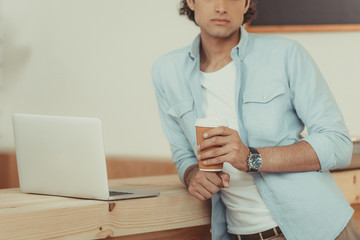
x,y
24,216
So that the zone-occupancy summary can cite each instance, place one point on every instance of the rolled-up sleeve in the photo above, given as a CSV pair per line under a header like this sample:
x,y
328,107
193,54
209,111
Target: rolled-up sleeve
x,y
318,110
181,149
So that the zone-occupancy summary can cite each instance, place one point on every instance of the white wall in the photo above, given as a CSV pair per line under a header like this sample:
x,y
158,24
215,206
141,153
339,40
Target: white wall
x,y
94,58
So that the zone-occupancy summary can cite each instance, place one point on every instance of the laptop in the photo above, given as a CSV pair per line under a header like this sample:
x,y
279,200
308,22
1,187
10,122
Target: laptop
x,y
64,156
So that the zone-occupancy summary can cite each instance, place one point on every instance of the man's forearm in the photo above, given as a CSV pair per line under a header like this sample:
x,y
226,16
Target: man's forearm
x,y
297,157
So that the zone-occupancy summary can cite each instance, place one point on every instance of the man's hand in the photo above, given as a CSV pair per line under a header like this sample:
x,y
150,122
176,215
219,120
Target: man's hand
x,y
232,148
296,157
203,185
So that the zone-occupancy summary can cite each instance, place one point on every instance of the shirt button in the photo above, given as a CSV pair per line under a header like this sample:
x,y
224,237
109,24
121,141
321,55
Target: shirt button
x,y
265,97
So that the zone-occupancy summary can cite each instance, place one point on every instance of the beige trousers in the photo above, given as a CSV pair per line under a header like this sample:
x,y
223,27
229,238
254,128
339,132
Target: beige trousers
x,y
350,232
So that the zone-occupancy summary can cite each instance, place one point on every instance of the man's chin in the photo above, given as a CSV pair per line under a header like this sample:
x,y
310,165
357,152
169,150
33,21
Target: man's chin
x,y
222,35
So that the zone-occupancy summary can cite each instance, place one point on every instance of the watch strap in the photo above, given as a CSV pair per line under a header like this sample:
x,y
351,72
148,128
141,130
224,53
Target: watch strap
x,y
252,151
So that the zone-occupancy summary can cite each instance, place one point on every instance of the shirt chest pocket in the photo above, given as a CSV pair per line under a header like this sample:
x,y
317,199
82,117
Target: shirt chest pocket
x,y
263,111
185,115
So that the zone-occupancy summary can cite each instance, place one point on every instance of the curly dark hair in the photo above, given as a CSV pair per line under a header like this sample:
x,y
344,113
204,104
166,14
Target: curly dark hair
x,y
185,10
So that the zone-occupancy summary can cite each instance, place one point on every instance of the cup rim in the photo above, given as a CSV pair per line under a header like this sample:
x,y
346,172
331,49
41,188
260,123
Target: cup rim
x,y
211,122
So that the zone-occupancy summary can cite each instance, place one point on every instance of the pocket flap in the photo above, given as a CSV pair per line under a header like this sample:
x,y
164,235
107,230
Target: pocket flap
x,y
178,110
263,95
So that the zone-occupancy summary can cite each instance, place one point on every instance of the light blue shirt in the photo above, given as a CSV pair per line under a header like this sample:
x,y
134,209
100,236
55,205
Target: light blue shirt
x,y
278,91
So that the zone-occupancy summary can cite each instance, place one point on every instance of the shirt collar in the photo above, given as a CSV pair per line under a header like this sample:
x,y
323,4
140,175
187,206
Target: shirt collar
x,y
194,49
238,50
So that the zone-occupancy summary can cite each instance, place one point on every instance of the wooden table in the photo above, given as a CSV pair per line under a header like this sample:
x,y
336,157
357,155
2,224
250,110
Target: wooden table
x,y
173,213
30,216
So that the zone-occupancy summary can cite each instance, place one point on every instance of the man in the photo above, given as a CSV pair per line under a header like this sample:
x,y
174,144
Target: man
x,y
274,184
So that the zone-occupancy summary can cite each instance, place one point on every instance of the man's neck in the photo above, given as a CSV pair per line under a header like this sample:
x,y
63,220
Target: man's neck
x,y
215,53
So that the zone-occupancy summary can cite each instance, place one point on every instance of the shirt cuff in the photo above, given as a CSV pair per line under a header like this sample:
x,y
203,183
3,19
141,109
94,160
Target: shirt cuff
x,y
323,149
184,166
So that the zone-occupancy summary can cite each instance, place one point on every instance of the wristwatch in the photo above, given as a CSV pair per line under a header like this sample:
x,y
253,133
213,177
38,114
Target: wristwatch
x,y
254,160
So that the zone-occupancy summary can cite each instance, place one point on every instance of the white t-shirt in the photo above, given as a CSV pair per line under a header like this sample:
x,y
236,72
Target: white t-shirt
x,y
246,211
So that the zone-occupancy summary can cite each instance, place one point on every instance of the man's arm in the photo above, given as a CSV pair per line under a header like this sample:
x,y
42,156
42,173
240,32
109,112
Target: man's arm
x,y
200,184
327,145
296,157
318,110
181,149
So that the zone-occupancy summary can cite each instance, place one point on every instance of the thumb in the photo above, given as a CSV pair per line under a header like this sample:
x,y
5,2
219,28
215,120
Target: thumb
x,y
225,179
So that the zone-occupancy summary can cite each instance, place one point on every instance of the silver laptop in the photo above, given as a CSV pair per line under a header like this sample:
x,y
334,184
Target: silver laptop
x,y
64,156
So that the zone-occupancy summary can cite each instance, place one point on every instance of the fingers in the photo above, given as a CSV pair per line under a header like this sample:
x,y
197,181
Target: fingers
x,y
199,196
219,131
215,179
225,179
203,194
215,141
223,145
218,137
215,152
204,184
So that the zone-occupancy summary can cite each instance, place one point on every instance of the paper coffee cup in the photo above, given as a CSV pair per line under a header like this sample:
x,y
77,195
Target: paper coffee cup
x,y
203,125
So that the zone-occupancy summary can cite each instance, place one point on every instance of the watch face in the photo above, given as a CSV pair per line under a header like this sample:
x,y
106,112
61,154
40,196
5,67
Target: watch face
x,y
255,161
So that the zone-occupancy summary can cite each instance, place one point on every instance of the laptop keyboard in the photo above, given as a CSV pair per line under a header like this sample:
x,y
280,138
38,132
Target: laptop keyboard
x,y
114,193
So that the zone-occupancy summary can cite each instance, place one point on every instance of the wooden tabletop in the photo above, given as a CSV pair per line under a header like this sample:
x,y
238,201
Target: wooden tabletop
x,y
30,216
